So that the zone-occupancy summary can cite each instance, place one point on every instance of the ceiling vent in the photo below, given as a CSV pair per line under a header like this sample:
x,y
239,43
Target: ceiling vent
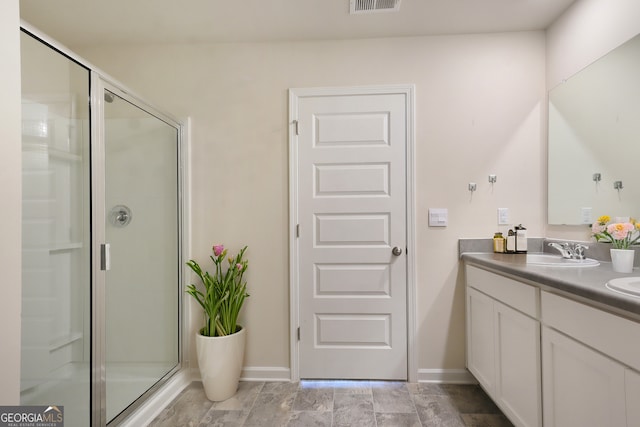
x,y
373,6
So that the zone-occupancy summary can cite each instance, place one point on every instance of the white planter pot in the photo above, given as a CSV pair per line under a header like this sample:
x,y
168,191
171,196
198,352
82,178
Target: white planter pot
x,y
622,260
220,360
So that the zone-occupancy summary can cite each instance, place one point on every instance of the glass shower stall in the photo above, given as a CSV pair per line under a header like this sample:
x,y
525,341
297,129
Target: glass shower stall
x,y
102,240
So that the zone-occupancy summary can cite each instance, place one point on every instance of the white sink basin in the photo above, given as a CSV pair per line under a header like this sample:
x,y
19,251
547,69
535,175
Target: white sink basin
x,y
551,260
626,285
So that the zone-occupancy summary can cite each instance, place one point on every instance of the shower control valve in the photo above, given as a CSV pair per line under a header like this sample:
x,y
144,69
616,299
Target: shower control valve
x,y
120,216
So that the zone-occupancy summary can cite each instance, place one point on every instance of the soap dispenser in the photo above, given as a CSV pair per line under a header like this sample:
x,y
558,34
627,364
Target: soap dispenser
x,y
520,239
498,243
511,242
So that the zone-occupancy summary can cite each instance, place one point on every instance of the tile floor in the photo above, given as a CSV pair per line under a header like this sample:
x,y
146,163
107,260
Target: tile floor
x,y
334,404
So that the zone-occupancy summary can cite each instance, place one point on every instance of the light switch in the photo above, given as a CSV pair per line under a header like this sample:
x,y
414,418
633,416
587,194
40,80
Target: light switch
x,y
586,214
503,216
438,217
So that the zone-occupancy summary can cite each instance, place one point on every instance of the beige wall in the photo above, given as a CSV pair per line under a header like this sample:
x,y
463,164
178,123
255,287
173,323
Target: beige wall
x,y
478,112
10,177
585,32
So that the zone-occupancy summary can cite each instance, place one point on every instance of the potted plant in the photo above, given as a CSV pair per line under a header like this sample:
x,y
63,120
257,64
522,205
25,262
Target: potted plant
x,y
220,342
622,235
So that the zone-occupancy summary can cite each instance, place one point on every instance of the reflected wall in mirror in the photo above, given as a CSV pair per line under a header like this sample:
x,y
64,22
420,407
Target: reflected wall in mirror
x,y
594,140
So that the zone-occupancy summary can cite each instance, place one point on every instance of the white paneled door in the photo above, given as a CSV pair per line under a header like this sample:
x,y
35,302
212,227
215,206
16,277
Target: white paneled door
x,y
351,209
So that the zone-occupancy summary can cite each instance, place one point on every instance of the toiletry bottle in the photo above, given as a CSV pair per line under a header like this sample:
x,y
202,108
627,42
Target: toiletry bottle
x,y
498,243
511,242
521,239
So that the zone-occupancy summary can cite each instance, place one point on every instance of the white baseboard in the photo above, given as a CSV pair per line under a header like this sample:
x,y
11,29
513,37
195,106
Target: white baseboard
x,y
255,373
447,376
265,373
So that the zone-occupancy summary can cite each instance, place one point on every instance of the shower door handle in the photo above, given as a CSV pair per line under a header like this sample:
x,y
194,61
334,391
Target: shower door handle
x,y
105,257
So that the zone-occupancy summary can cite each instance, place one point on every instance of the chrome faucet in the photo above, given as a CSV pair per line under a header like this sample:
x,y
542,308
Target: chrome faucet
x,y
569,251
578,251
563,248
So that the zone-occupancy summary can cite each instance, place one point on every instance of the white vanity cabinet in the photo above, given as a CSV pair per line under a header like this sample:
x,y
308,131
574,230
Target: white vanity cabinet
x,y
480,339
551,359
581,386
503,343
590,362
632,394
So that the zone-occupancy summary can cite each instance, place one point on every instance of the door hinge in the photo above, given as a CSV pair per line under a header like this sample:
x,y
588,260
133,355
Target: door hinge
x,y
296,124
297,230
298,333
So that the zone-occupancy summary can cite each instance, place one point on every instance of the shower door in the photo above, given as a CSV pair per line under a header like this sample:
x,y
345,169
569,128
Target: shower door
x,y
141,212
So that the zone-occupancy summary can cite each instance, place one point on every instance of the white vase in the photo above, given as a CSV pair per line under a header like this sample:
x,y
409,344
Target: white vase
x,y
220,360
622,260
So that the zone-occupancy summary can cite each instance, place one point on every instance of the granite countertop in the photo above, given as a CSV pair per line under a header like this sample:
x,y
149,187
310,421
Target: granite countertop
x,y
584,282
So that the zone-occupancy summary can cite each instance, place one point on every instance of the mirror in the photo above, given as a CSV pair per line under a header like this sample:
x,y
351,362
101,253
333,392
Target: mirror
x,y
594,140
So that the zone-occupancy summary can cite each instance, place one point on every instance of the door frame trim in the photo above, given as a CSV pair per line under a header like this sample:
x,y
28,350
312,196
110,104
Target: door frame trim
x,y
295,94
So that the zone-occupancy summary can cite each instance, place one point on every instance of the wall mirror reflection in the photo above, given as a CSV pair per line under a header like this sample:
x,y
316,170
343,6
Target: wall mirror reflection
x,y
594,140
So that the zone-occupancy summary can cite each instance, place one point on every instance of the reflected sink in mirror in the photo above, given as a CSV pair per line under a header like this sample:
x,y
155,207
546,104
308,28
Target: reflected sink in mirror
x,y
550,260
626,285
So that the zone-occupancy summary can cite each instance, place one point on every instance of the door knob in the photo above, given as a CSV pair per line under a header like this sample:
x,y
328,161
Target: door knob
x,y
396,251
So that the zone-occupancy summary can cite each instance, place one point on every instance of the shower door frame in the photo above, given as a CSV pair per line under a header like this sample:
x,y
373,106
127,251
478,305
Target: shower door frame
x,y
100,83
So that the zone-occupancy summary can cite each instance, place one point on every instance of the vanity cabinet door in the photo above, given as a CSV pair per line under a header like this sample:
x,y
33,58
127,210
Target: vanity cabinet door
x,y
503,353
632,388
480,343
517,350
581,387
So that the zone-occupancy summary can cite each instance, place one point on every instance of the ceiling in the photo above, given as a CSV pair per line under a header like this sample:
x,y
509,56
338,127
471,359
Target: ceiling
x,y
95,22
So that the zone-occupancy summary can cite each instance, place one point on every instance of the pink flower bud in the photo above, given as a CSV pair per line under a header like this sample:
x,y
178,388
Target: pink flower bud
x,y
217,249
239,266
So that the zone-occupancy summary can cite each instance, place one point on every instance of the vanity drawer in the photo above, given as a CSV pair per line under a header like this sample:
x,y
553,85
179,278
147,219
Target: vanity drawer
x,y
518,295
615,336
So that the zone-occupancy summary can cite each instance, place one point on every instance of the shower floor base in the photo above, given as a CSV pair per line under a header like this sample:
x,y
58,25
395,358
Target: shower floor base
x,y
70,387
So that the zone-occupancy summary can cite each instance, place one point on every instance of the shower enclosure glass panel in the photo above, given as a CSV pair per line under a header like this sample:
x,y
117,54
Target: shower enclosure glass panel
x,y
142,218
56,262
